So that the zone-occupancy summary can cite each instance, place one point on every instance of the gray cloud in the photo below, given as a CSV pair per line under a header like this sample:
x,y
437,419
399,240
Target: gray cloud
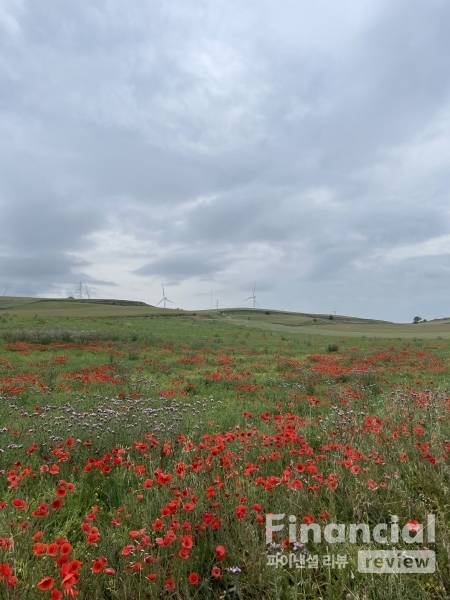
x,y
184,263
215,144
26,267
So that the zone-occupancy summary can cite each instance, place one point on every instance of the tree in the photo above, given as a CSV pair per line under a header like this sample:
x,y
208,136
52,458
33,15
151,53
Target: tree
x,y
417,320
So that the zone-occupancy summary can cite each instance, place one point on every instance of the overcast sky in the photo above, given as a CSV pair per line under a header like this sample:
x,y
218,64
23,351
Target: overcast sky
x,y
301,144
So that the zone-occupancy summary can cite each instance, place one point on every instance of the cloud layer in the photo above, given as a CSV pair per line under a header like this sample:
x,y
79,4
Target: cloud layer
x,y
208,146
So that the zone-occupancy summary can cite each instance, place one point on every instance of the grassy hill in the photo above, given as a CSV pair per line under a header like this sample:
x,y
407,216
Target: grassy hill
x,y
71,307
339,325
266,319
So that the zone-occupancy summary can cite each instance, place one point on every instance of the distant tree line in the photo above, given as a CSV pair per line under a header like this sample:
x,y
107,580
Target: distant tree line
x,y
419,320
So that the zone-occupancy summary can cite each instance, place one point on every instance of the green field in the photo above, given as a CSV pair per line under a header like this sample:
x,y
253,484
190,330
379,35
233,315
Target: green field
x,y
142,451
270,320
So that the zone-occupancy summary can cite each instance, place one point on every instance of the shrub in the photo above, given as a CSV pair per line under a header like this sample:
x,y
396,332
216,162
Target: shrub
x,y
332,348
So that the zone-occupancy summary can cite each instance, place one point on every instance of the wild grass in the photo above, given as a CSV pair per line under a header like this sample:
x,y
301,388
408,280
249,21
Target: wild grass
x,y
228,424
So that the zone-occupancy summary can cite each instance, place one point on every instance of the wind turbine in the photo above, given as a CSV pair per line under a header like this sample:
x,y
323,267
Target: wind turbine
x,y
164,299
253,297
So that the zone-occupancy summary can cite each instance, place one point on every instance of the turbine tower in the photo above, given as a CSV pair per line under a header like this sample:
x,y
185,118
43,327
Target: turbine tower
x,y
253,297
164,299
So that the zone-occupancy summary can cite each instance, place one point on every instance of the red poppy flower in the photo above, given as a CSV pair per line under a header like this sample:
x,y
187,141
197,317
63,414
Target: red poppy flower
x,y
71,567
170,584
46,584
220,552
216,572
41,510
6,543
52,549
12,581
193,578
413,525
186,541
5,570
39,549
127,550
134,534
20,504
65,548
70,579
98,565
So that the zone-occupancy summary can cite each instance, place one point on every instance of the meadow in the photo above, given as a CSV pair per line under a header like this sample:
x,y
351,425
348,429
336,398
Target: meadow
x,y
142,452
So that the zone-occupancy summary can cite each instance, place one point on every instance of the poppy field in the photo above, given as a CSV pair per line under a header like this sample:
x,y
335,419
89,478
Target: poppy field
x,y
144,458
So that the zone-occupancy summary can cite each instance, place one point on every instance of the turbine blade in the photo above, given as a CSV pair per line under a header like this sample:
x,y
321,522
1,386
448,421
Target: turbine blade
x,y
169,300
249,298
160,302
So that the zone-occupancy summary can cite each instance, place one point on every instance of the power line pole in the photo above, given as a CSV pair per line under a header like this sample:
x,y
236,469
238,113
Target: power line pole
x,y
80,290
217,304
